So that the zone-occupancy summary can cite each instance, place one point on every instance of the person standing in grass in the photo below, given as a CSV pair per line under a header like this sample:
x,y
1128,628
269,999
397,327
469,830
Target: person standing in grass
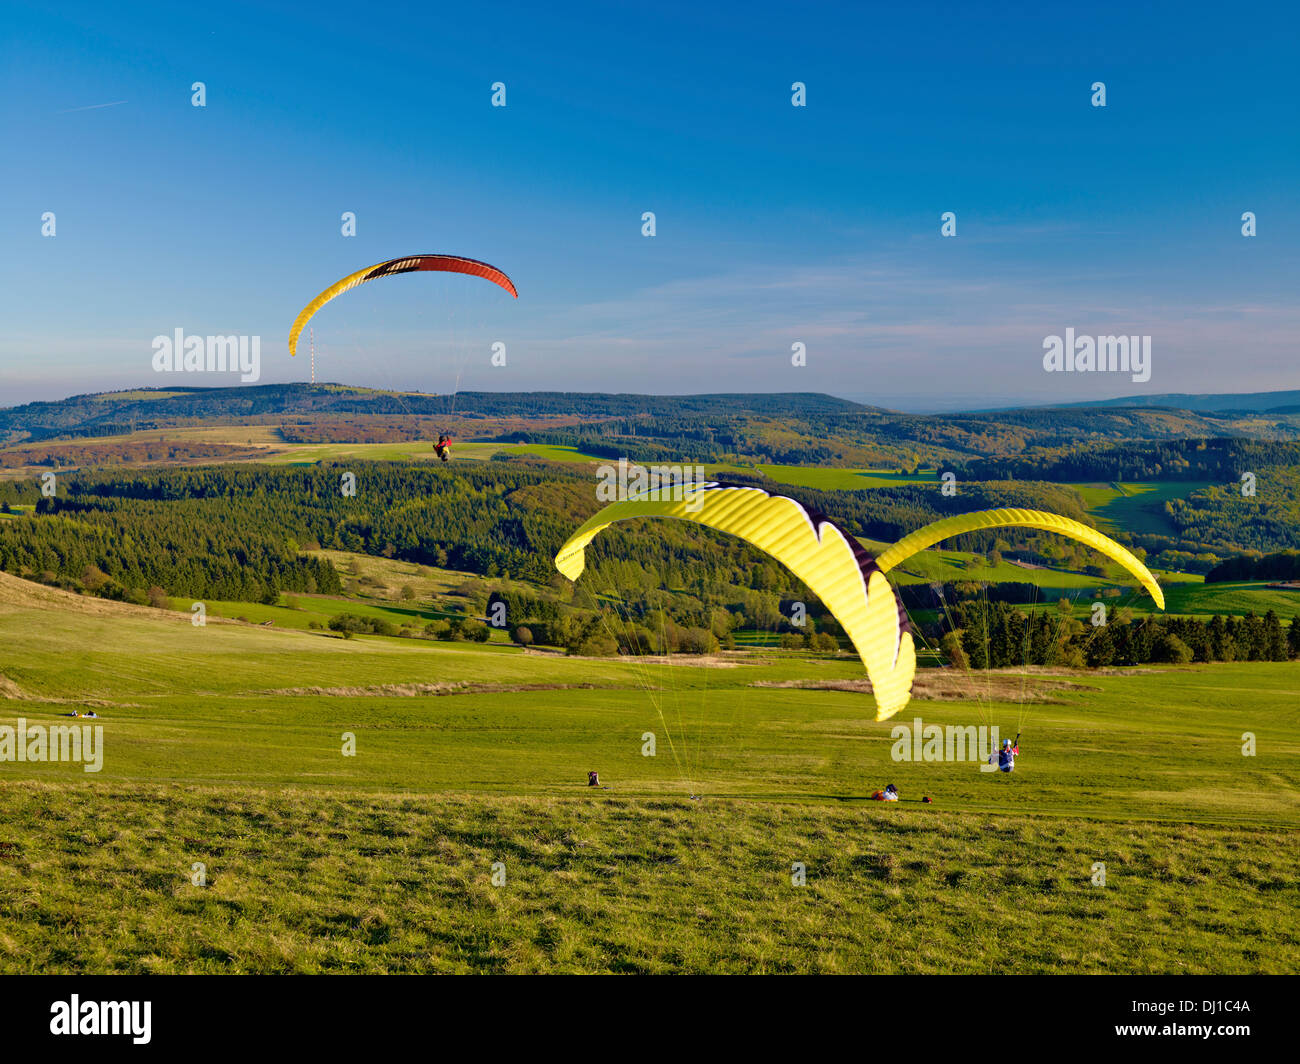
x,y
1007,755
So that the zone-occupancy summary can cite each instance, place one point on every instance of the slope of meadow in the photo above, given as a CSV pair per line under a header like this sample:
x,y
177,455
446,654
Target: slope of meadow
x,y
224,747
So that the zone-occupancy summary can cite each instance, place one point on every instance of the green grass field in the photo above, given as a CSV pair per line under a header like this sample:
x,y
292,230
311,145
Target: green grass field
x,y
552,452
828,478
1190,596
412,450
304,611
1135,508
224,746
374,590
938,566
314,881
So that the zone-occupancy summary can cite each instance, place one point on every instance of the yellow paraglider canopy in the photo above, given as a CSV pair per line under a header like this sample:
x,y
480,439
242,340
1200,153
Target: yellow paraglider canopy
x,y
834,566
824,556
934,533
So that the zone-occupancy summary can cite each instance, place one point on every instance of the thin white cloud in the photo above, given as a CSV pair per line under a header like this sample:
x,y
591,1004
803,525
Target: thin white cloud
x,y
92,107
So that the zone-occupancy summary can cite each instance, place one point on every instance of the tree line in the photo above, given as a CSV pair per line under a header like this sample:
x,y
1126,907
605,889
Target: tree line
x,y
1280,565
1221,459
990,635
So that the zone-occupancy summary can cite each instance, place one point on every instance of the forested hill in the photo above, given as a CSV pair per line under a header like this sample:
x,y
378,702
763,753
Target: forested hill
x,y
1221,460
597,404
238,532
798,427
112,413
1257,402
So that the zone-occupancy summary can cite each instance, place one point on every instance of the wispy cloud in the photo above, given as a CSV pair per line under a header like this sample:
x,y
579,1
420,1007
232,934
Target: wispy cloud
x,y
92,107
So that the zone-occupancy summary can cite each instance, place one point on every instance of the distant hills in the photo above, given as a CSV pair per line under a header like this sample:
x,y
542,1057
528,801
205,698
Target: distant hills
x,y
780,426
1257,402
116,413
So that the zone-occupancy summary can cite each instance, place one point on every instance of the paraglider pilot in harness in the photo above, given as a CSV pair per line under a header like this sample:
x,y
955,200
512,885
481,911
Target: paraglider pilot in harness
x,y
1007,755
443,447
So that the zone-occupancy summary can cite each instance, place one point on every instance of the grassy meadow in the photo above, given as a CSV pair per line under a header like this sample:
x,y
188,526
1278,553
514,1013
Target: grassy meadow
x,y
224,746
1136,508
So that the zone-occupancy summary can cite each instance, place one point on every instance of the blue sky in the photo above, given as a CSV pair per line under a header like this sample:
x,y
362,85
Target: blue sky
x,y
776,224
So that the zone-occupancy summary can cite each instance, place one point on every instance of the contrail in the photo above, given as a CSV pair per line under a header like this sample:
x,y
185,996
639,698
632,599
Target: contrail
x,y
92,107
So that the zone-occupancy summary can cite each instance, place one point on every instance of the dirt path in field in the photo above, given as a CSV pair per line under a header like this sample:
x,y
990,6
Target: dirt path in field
x,y
9,689
419,690
943,685
697,661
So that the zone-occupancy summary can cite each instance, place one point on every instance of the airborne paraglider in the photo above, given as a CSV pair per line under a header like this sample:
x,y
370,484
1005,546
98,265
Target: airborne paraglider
x,y
409,264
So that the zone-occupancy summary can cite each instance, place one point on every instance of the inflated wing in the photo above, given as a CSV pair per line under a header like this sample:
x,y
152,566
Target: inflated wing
x,y
410,264
813,547
1007,518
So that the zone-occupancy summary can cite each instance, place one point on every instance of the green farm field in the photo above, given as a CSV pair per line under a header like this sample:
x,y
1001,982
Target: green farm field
x,y
1231,598
830,478
412,450
376,589
224,746
1138,507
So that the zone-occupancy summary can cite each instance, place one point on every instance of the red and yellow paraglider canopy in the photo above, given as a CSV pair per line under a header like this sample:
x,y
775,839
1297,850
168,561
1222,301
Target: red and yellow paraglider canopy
x,y
409,264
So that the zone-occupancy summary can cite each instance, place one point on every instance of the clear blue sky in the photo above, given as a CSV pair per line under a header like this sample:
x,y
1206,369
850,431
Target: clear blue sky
x,y
775,224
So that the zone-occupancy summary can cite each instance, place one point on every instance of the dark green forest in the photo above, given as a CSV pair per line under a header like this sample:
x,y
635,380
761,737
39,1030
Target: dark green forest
x,y
237,532
982,634
1223,460
1280,565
